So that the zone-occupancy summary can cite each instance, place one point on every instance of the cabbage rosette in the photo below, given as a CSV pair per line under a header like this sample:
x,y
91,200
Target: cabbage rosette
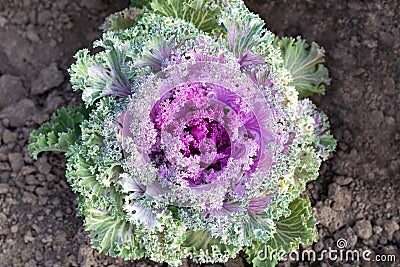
x,y
195,139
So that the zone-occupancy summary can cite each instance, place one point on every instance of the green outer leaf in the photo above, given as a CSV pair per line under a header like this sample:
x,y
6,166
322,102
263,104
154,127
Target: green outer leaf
x,y
168,8
62,131
79,70
88,183
204,248
305,65
329,142
202,13
245,34
122,20
111,235
140,3
90,168
298,228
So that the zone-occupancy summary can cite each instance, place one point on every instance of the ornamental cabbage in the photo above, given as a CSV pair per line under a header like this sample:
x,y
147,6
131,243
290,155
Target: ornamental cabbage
x,y
195,139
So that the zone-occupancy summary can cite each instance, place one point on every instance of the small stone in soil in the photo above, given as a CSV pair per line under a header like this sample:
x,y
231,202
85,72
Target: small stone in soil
x,y
11,90
16,161
48,78
42,165
363,229
20,113
9,137
390,227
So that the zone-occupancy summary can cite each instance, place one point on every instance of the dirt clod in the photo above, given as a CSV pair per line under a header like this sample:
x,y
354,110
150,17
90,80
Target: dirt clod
x,y
16,161
11,90
49,78
20,113
363,229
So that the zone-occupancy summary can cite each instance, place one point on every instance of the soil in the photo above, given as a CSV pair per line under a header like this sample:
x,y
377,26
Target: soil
x,y
355,197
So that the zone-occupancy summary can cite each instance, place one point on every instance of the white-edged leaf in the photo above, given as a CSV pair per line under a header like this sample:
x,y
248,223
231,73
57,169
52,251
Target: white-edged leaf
x,y
291,231
305,64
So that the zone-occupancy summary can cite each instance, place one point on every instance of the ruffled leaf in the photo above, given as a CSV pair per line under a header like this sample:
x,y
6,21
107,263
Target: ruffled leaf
x,y
305,65
298,228
328,142
320,136
85,179
204,248
98,79
62,131
110,79
159,50
111,235
131,186
79,70
93,168
81,176
325,142
202,13
241,37
258,224
140,3
138,213
122,20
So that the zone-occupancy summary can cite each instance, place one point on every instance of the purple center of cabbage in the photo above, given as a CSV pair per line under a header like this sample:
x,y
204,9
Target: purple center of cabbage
x,y
211,142
195,115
